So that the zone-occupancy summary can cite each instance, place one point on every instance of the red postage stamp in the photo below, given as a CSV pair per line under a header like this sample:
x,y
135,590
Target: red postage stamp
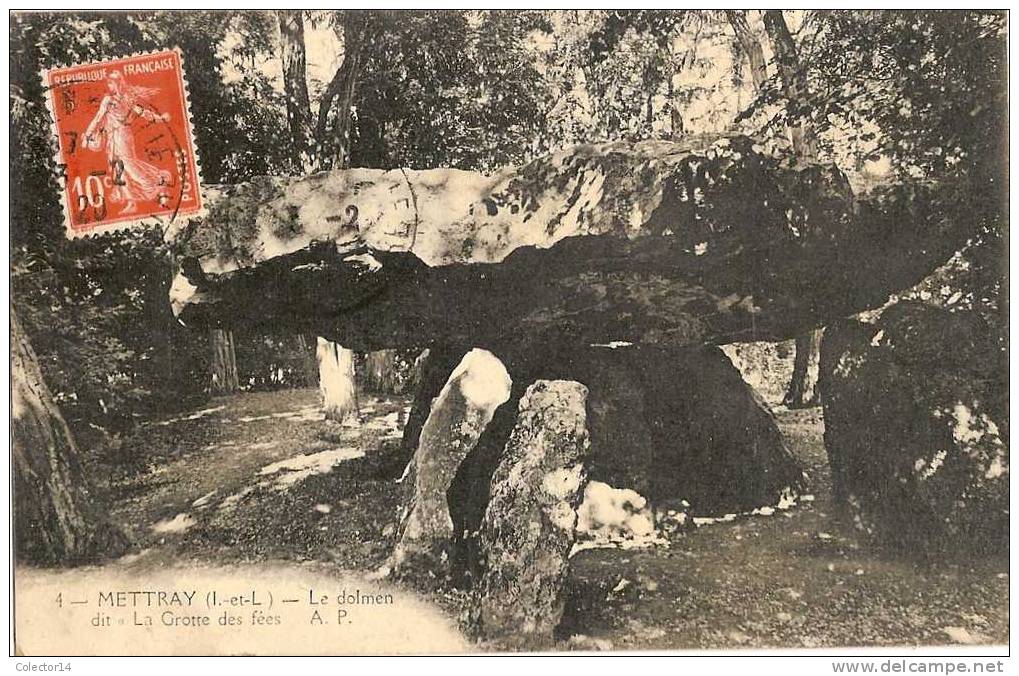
x,y
126,149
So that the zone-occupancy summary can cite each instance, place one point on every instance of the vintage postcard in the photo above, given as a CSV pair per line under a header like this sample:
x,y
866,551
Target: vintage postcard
x,y
390,332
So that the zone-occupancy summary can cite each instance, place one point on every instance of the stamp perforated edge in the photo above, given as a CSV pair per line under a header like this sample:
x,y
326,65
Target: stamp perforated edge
x,y
143,221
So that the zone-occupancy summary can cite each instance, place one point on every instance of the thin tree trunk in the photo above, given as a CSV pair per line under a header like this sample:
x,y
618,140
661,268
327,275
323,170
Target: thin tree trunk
x,y
380,375
309,363
56,520
802,391
794,83
336,380
750,46
336,364
675,117
802,386
334,152
224,362
295,85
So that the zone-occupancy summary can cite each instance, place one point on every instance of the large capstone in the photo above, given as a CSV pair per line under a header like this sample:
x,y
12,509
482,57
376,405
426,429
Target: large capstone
x,y
916,427
708,240
529,525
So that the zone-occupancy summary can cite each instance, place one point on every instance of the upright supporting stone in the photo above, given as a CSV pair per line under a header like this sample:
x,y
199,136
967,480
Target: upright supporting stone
x,y
915,416
528,529
436,368
336,380
673,425
478,386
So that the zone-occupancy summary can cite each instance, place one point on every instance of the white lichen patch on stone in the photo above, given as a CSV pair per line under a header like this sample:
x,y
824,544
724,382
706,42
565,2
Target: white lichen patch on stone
x,y
981,440
997,468
177,524
964,431
614,517
846,363
367,260
483,380
562,516
927,470
876,340
182,292
563,482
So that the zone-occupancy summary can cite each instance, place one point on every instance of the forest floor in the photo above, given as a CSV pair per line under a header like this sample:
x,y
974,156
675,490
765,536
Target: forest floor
x,y
263,479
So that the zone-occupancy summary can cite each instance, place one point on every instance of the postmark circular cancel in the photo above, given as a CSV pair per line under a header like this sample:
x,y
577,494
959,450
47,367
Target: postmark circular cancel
x,y
125,143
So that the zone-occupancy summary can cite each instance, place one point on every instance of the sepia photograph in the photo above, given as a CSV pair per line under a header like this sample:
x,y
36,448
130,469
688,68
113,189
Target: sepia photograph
x,y
476,331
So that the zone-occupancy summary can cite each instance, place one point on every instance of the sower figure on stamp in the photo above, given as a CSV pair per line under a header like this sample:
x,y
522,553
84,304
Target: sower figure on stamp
x,y
134,178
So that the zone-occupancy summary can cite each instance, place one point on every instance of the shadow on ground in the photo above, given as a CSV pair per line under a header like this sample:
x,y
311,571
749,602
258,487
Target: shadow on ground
x,y
264,478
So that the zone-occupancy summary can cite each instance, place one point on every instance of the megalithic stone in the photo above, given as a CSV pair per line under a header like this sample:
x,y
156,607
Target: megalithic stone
x,y
529,525
708,240
458,416
916,428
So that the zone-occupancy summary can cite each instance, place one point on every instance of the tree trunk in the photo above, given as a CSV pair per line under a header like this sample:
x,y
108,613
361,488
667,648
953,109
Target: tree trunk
x,y
310,362
56,520
335,152
224,362
380,374
295,85
803,384
802,392
336,380
675,117
794,84
751,47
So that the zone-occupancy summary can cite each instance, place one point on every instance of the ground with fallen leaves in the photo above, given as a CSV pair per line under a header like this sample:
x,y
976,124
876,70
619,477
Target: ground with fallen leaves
x,y
262,477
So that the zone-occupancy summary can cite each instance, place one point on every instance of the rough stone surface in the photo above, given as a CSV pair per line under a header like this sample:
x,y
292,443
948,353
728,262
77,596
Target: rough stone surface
x,y
436,367
529,526
717,444
478,386
706,240
916,427
671,424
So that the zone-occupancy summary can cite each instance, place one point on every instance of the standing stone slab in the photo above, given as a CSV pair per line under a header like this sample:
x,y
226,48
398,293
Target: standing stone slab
x,y
916,428
673,424
459,415
436,367
528,529
717,444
